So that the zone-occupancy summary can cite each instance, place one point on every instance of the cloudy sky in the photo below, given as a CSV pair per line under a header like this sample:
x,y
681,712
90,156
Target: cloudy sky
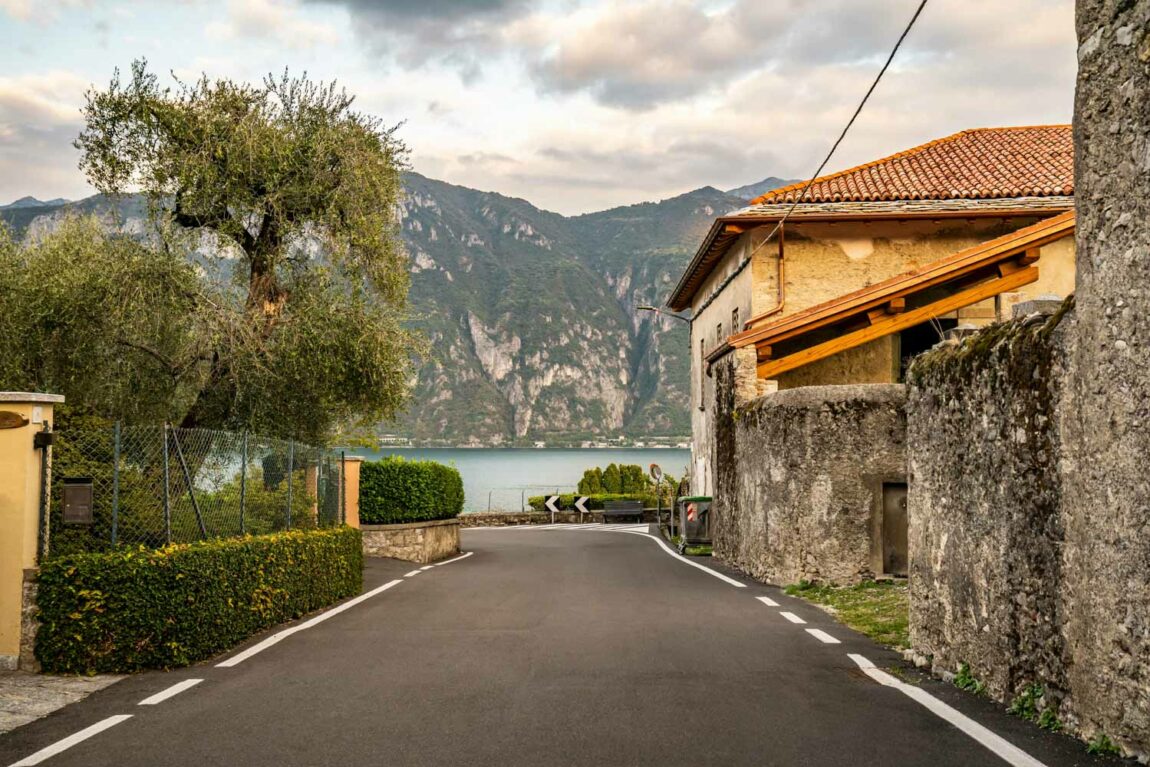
x,y
576,105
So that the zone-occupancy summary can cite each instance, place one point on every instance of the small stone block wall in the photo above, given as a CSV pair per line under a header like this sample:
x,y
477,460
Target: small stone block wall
x,y
421,542
507,519
799,478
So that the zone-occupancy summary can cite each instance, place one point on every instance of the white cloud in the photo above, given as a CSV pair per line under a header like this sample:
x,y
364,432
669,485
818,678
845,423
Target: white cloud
x,y
273,20
39,10
39,118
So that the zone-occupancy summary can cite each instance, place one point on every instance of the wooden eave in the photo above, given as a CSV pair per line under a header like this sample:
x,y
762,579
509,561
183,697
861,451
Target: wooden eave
x,y
726,229
959,280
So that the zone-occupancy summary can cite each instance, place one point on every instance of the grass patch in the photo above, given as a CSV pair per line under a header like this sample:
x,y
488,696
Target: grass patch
x,y
1102,746
698,551
875,608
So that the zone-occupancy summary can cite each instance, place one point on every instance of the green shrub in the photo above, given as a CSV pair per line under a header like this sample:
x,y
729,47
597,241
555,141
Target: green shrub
x,y
396,490
594,502
135,608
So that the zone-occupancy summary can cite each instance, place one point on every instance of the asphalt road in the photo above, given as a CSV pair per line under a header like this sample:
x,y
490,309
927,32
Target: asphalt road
x,y
547,647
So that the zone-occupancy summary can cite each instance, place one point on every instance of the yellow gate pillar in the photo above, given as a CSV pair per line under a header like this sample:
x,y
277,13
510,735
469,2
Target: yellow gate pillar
x,y
22,415
351,466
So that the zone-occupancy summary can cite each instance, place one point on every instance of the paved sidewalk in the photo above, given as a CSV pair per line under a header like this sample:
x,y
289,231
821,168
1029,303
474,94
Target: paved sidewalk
x,y
27,697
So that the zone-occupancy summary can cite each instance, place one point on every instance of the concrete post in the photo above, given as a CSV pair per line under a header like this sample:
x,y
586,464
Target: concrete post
x,y
21,416
351,466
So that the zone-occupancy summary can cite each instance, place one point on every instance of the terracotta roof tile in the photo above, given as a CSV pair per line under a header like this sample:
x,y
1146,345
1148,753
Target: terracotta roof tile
x,y
984,163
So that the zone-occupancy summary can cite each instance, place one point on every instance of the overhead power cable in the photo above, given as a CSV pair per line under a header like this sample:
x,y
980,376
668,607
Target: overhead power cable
x,y
818,171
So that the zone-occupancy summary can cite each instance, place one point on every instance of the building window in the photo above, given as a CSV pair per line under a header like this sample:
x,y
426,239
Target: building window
x,y
719,334
735,327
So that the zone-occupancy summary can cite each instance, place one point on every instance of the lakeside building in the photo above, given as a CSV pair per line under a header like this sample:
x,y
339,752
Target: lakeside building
x,y
874,264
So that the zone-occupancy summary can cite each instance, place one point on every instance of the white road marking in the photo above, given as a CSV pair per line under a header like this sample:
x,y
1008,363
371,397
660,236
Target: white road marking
x,y
455,559
998,745
823,636
412,574
792,617
768,601
279,636
175,689
63,745
428,567
683,559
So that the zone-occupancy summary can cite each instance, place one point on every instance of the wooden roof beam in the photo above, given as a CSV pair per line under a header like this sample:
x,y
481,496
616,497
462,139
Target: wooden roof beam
x,y
772,368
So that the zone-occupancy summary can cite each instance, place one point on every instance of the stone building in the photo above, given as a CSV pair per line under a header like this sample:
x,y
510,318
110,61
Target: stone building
x,y
871,266
861,226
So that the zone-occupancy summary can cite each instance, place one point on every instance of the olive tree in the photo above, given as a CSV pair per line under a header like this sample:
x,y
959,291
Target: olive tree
x,y
298,191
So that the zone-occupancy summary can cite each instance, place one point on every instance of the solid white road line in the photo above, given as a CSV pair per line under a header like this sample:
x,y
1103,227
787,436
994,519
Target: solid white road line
x,y
768,601
427,567
412,573
175,689
279,636
63,745
683,559
1001,747
456,559
792,617
823,636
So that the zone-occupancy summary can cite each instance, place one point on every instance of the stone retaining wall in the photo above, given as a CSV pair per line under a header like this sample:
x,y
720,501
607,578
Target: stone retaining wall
x,y
504,519
421,542
985,507
799,478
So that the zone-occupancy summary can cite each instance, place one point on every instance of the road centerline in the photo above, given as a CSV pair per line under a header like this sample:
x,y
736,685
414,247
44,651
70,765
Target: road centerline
x,y
792,617
63,745
172,691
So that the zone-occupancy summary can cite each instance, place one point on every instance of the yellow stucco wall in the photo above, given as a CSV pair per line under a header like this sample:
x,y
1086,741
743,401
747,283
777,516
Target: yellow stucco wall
x,y
19,513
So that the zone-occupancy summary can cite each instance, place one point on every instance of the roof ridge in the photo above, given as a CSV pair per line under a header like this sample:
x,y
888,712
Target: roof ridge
x,y
774,196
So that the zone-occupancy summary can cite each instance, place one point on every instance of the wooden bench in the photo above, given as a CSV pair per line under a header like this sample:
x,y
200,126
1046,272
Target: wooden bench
x,y
623,509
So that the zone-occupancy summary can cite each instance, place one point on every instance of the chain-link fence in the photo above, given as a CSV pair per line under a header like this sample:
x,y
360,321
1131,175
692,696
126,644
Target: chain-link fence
x,y
158,485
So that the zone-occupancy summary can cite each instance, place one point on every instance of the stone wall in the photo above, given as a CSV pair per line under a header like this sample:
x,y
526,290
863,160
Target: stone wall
x,y
1106,482
421,542
984,505
799,478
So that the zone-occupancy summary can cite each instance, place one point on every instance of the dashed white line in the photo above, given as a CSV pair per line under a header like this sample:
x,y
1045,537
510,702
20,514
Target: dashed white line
x,y
63,745
792,617
768,601
428,567
175,689
823,636
412,574
998,745
279,636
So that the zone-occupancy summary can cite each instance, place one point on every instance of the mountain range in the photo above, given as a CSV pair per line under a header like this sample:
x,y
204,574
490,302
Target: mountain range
x,y
532,316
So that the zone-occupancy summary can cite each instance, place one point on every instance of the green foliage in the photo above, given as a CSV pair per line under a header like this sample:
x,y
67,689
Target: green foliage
x,y
879,609
395,490
965,680
612,479
103,319
592,482
300,191
134,608
594,502
1032,704
1101,745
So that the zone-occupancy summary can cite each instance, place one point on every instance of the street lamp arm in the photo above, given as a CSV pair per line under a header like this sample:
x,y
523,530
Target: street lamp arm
x,y
658,310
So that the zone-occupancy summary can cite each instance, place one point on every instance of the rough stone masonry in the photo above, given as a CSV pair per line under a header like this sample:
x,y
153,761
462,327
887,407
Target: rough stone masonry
x,y
1107,406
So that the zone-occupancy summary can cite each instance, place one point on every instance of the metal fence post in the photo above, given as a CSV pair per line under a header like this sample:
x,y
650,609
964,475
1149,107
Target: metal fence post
x,y
291,468
188,482
116,484
243,483
167,492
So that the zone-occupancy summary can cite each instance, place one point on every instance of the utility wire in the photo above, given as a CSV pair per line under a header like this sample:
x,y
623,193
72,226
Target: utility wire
x,y
743,264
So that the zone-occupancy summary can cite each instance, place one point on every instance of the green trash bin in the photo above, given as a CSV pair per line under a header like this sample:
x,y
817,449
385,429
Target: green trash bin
x,y
694,521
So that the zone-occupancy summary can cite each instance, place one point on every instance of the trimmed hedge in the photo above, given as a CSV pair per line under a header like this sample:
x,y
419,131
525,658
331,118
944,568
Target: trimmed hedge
x,y
594,502
395,490
135,608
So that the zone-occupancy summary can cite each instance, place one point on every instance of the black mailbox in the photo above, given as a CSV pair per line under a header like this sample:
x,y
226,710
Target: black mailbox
x,y
78,494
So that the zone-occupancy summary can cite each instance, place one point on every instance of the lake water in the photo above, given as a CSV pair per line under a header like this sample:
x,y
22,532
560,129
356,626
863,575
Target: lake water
x,y
503,478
